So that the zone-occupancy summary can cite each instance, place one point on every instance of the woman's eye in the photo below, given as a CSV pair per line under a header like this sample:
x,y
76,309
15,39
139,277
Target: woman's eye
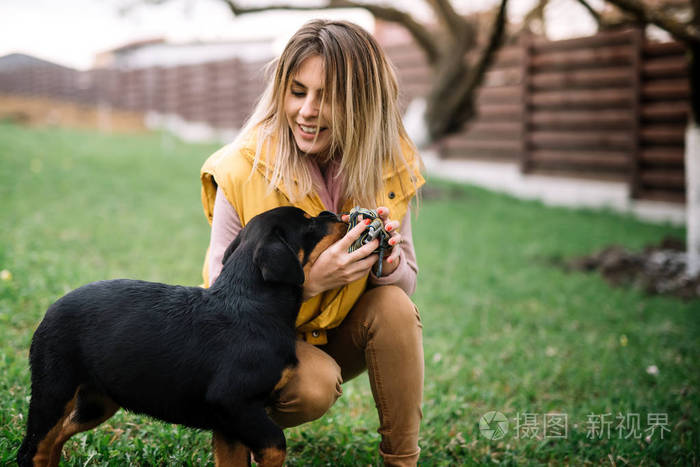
x,y
298,93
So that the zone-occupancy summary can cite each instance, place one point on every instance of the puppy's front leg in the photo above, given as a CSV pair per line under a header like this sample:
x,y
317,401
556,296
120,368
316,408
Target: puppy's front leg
x,y
262,436
256,430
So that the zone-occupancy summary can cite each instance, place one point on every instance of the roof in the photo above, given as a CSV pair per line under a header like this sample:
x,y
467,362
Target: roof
x,y
18,61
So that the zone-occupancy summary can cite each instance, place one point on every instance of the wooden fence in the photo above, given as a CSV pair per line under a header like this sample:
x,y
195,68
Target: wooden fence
x,y
611,106
221,94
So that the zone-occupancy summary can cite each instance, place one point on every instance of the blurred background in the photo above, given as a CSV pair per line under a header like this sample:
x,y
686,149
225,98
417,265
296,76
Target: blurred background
x,y
591,98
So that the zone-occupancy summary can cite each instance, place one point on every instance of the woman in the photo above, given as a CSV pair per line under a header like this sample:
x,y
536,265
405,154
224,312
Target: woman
x,y
327,135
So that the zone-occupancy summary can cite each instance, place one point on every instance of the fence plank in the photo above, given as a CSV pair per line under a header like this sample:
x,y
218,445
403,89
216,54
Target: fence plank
x,y
663,134
486,143
665,195
666,111
661,178
572,59
653,49
666,89
501,111
568,119
584,98
608,159
662,156
570,79
665,66
617,139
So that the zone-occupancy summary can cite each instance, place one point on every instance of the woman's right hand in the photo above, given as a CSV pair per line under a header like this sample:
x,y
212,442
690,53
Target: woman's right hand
x,y
336,267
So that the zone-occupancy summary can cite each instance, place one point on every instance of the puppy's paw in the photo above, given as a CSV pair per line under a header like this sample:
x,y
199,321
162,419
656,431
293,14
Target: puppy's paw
x,y
271,457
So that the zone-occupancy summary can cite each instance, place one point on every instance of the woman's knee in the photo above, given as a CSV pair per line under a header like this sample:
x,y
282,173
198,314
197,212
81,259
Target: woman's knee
x,y
316,398
389,305
312,390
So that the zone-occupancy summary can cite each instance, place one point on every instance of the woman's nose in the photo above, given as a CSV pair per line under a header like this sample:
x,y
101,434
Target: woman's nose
x,y
309,108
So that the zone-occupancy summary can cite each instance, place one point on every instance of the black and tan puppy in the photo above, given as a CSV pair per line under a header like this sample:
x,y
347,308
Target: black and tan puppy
x,y
204,358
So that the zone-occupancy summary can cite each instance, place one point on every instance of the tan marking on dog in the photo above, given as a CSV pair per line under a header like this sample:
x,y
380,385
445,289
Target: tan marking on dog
x,y
338,231
307,215
287,374
271,457
44,450
49,449
229,454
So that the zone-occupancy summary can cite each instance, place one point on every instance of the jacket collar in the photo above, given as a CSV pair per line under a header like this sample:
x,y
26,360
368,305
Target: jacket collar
x,y
408,174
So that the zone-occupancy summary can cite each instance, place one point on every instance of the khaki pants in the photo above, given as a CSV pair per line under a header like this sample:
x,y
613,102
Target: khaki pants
x,y
383,335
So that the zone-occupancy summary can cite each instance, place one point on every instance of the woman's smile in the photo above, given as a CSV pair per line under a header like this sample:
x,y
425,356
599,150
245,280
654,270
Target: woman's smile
x,y
309,131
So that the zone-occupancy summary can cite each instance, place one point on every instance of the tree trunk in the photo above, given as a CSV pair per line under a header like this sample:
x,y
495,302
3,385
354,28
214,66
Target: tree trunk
x,y
415,124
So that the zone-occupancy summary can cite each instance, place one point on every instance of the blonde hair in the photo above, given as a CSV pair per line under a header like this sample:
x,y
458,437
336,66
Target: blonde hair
x,y
362,91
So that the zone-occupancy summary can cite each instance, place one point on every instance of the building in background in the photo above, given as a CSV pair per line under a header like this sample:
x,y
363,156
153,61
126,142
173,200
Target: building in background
x,y
158,52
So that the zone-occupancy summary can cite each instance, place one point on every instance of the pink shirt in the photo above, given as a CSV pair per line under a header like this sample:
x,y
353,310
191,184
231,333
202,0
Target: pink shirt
x,y
226,225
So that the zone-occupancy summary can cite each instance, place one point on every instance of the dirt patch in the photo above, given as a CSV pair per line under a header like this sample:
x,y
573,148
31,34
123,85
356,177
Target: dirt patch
x,y
658,269
44,111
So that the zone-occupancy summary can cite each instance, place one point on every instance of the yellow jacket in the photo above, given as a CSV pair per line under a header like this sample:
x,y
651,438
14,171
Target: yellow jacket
x,y
230,169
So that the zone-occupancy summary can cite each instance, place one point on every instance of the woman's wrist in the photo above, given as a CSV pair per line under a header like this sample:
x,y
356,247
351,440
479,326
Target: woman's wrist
x,y
313,287
308,292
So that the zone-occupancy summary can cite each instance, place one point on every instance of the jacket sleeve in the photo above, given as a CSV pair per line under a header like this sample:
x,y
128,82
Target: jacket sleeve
x,y
406,273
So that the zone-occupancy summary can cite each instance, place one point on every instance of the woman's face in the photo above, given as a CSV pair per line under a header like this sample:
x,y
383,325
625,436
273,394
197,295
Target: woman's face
x,y
302,105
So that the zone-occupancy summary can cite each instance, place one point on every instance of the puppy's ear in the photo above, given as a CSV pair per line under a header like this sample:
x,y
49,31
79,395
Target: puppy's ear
x,y
277,260
231,248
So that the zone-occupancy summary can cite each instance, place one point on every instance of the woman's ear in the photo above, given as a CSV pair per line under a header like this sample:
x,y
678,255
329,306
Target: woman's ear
x,y
277,260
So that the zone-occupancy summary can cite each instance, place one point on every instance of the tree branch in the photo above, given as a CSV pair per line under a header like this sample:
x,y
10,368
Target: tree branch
x,y
455,97
594,13
454,23
476,74
419,33
605,22
683,32
536,13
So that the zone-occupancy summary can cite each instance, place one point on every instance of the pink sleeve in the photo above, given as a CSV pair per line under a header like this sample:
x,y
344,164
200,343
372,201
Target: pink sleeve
x,y
225,227
406,273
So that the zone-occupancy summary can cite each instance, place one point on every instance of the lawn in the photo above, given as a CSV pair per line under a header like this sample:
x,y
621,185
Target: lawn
x,y
582,372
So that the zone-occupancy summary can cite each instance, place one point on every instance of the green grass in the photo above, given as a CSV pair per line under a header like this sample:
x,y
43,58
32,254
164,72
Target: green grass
x,y
504,329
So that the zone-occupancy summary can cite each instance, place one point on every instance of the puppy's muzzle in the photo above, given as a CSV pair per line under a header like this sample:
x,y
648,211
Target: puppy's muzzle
x,y
335,230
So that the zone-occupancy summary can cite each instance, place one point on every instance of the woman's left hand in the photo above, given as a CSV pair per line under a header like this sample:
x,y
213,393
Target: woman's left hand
x,y
392,256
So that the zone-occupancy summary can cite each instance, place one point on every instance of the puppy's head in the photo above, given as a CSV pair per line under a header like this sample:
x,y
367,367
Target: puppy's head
x,y
286,241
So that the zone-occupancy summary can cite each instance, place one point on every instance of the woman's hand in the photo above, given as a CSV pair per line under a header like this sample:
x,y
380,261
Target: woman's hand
x,y
392,256
336,267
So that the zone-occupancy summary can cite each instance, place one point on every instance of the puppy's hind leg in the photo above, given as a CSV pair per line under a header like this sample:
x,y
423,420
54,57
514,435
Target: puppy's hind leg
x,y
90,409
44,422
52,399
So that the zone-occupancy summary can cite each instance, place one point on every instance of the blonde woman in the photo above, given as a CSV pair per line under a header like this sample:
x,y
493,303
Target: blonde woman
x,y
327,135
